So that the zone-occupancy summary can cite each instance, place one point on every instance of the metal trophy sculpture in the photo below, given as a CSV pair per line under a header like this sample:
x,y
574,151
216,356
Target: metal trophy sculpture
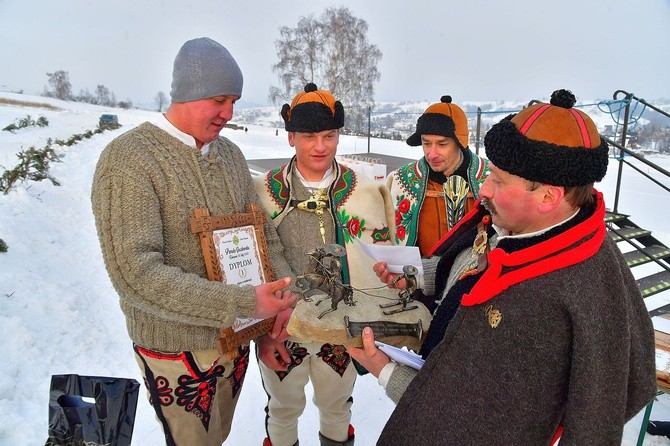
x,y
406,294
323,274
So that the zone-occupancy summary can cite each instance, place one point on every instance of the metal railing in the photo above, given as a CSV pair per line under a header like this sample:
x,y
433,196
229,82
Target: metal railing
x,y
621,157
623,151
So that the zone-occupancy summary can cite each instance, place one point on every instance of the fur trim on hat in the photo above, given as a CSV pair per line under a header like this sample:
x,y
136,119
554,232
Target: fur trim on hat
x,y
313,111
433,124
544,162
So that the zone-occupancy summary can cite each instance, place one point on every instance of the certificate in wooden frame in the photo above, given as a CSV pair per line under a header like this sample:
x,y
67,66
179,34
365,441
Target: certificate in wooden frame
x,y
206,225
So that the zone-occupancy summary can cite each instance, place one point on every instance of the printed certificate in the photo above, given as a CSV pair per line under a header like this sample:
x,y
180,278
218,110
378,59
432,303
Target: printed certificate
x,y
239,256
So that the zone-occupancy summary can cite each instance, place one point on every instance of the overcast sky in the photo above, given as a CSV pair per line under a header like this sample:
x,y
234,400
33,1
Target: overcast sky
x,y
475,50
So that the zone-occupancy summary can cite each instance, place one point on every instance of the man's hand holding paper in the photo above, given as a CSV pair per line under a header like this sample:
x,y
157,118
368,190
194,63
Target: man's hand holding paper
x,y
391,260
395,257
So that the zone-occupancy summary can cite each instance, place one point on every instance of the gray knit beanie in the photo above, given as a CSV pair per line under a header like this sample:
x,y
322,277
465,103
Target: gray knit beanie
x,y
203,69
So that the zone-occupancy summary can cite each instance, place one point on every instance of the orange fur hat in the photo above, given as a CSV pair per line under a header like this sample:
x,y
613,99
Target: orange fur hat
x,y
313,111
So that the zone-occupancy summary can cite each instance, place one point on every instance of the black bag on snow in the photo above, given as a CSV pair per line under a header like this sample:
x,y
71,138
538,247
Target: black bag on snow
x,y
108,421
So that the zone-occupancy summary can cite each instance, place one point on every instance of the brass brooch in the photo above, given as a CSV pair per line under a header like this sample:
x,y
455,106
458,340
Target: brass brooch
x,y
494,316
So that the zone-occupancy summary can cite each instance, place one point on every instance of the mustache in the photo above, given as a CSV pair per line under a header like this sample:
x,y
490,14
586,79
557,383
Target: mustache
x,y
488,205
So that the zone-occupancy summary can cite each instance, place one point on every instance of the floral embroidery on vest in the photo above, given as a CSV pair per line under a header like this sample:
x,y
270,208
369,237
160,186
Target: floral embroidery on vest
x,y
354,225
343,186
276,185
403,216
410,177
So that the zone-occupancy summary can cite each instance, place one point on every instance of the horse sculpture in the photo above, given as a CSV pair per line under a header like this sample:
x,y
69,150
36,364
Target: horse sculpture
x,y
338,292
316,276
325,277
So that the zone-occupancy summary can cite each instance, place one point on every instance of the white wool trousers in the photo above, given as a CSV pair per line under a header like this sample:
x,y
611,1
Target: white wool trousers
x,y
194,394
332,373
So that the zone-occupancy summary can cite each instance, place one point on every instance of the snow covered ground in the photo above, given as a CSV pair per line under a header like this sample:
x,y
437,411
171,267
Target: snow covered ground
x,y
60,314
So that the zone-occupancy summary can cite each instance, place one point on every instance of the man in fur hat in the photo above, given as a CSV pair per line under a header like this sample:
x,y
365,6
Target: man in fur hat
x,y
314,202
146,185
430,195
550,335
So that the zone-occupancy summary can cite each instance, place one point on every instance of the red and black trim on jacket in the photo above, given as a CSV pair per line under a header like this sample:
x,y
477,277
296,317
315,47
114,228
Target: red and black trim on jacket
x,y
512,261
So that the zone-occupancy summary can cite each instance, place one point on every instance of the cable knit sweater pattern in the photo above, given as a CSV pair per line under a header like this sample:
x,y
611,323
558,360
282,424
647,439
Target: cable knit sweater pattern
x,y
145,188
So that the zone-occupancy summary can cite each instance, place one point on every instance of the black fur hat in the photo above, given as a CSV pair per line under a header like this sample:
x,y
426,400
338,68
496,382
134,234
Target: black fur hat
x,y
549,143
313,111
443,118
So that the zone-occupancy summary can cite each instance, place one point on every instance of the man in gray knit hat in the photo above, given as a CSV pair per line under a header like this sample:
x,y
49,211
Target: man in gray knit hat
x,y
147,183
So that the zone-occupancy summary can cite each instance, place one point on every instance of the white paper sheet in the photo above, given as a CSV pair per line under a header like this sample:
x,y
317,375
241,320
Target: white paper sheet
x,y
401,355
662,360
395,256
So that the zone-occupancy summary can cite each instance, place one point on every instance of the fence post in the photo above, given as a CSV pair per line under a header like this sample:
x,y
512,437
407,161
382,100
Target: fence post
x,y
621,152
369,113
478,131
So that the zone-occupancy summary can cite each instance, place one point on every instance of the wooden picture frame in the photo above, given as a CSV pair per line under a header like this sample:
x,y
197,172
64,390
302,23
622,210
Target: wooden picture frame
x,y
205,226
208,227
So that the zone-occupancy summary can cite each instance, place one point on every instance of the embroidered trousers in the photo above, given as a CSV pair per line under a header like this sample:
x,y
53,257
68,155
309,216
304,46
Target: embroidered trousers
x,y
333,375
194,394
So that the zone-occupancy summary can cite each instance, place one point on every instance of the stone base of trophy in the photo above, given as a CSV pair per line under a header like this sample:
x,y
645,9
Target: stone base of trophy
x,y
344,325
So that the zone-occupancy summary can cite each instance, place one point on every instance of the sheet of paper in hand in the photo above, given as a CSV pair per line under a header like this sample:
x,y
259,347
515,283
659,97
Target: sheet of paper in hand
x,y
401,355
396,257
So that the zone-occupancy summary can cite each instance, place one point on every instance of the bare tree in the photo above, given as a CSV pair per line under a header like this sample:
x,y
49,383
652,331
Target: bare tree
x,y
161,101
104,97
125,104
85,96
334,53
60,84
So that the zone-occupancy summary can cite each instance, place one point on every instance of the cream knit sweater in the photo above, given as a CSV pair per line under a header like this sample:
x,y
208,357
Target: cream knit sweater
x,y
146,186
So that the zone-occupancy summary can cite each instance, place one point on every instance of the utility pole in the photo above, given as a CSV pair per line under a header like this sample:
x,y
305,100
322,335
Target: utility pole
x,y
369,112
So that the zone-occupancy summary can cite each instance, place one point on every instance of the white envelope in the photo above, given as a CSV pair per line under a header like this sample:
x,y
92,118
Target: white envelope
x,y
395,256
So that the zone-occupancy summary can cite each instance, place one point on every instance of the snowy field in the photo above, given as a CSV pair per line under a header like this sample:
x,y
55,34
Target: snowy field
x,y
59,313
